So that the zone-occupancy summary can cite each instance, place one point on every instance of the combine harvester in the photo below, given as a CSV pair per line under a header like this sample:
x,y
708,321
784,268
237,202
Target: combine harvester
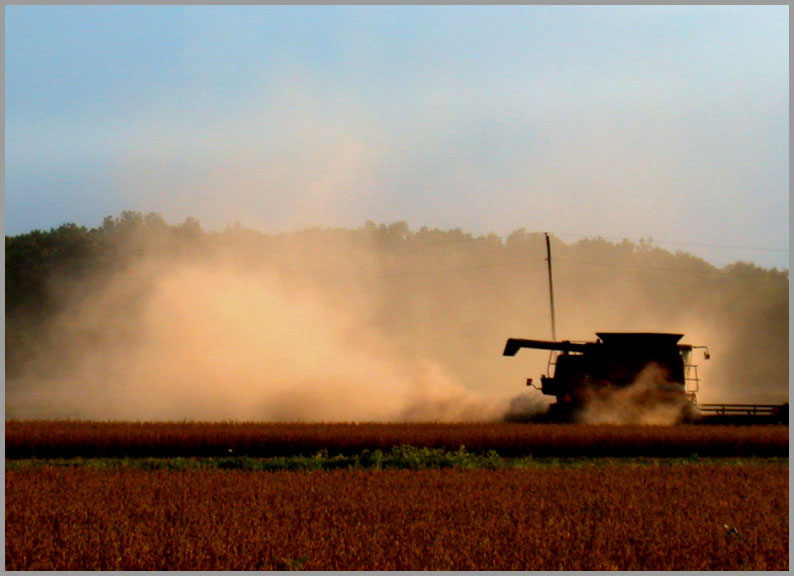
x,y
633,371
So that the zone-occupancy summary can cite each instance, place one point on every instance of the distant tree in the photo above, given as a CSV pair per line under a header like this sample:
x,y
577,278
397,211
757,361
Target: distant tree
x,y
444,291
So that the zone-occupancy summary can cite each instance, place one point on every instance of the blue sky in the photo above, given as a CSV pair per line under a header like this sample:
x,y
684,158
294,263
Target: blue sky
x,y
626,122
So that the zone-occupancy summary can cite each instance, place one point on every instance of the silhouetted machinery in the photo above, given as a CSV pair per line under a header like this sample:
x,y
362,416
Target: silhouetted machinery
x,y
587,371
655,366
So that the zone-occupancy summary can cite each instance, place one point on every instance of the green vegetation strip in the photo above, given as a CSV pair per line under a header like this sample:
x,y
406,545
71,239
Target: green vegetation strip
x,y
399,457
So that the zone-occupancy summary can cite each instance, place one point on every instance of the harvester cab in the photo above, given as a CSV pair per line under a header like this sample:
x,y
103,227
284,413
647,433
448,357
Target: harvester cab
x,y
584,371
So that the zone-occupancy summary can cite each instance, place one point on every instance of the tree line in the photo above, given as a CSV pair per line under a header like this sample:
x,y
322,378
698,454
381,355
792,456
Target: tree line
x,y
447,291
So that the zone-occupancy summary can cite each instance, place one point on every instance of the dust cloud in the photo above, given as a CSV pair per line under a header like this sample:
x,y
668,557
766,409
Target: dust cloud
x,y
638,403
217,341
375,324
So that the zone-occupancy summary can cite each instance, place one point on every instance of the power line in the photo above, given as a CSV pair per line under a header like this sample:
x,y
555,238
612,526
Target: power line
x,y
588,237
582,262
456,269
674,243
667,269
526,261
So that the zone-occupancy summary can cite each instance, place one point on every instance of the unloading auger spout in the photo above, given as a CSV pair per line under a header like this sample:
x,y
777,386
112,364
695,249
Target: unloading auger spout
x,y
513,345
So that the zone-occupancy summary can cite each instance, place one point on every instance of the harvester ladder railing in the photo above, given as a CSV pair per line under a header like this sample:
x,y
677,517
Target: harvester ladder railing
x,y
689,370
552,362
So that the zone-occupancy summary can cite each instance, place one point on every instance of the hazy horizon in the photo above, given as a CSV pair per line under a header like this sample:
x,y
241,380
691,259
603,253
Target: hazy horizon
x,y
715,255
375,324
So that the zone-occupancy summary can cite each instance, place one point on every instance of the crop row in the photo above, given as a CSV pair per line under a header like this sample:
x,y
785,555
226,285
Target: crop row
x,y
399,457
707,517
65,439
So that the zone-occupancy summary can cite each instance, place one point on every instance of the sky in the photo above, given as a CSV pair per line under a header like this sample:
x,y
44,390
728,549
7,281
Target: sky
x,y
641,122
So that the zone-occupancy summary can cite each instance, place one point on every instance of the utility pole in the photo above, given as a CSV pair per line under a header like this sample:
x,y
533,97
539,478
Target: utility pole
x,y
551,288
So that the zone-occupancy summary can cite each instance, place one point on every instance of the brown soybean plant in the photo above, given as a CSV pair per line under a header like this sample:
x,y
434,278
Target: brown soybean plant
x,y
87,439
709,516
